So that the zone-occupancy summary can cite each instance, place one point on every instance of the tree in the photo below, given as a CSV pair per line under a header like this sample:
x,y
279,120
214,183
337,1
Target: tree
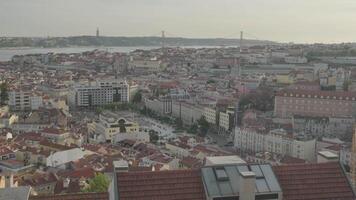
x,y
345,85
262,99
179,123
203,126
137,98
99,183
193,129
4,96
153,136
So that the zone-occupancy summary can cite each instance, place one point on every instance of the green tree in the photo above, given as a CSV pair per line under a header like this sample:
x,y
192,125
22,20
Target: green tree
x,y
203,126
193,129
137,98
99,183
179,123
154,137
4,96
346,85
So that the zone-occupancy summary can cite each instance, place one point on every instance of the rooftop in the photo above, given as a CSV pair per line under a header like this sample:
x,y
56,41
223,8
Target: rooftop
x,y
161,185
325,181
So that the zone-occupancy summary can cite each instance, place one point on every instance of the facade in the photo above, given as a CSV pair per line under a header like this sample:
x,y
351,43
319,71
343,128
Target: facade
x,y
315,103
323,126
99,93
187,112
276,141
210,115
226,120
162,106
145,65
108,126
24,100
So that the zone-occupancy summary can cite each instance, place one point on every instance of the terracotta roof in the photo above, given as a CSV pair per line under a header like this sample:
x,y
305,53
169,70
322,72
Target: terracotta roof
x,y
5,151
161,185
77,196
86,172
323,181
344,95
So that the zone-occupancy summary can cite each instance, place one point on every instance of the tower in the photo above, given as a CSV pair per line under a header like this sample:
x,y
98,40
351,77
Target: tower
x,y
163,37
240,59
97,32
353,158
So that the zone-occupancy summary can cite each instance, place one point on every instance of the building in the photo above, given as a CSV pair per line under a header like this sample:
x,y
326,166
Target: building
x,y
320,103
61,158
188,113
145,66
226,120
353,159
276,141
243,181
210,115
108,125
326,181
162,106
99,93
20,100
323,126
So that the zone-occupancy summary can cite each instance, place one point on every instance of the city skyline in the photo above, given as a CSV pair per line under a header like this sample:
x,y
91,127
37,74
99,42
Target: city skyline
x,y
280,21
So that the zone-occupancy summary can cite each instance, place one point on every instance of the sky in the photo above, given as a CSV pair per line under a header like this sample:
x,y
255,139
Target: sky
x,y
300,21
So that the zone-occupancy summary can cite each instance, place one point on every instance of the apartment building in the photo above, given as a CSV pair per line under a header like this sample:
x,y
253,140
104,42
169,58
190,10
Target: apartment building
x,y
189,113
24,100
100,92
323,126
291,102
210,115
275,141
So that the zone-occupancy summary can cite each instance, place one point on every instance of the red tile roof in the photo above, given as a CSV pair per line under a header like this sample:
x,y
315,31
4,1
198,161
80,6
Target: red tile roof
x,y
161,185
86,172
323,181
77,196
345,95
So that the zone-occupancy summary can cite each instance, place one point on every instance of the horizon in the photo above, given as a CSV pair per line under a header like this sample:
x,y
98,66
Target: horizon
x,y
285,21
209,38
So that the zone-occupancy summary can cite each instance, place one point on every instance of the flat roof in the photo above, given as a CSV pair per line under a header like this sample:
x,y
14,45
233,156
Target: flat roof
x,y
328,154
223,160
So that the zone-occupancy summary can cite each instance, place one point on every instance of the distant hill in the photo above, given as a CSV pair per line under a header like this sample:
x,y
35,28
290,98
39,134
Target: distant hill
x,y
122,41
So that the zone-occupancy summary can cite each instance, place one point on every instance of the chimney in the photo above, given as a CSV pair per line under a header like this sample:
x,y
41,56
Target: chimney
x,y
247,185
121,166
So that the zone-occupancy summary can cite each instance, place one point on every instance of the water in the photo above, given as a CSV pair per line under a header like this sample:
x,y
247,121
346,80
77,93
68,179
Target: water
x,y
7,53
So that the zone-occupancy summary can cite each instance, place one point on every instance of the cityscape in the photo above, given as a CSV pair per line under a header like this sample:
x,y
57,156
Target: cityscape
x,y
169,117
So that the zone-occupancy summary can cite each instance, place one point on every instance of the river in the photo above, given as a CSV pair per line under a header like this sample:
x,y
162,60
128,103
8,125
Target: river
x,y
7,53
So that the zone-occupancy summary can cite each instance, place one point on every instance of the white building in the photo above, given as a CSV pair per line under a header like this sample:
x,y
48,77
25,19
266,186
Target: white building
x,y
189,113
99,93
24,100
60,158
108,125
210,115
162,106
276,141
152,65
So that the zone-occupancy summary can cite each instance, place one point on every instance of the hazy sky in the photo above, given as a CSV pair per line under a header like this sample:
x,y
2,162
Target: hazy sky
x,y
278,20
